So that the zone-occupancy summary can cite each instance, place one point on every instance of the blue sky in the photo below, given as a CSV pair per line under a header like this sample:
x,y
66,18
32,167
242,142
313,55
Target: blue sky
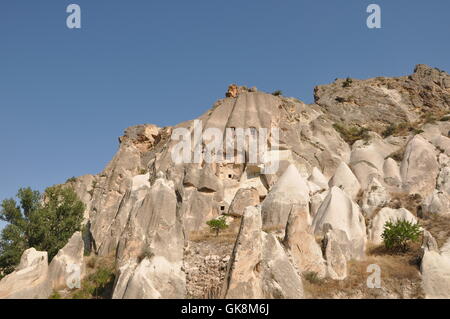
x,y
66,95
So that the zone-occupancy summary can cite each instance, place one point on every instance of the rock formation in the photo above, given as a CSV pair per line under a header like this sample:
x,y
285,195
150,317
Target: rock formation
x,y
29,280
259,266
342,163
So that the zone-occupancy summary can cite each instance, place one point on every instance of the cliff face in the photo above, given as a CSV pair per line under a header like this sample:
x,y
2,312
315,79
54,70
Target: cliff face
x,y
363,145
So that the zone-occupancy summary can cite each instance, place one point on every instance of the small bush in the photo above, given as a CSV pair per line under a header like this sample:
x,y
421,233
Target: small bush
x,y
340,99
390,130
277,93
71,180
351,134
146,253
97,285
347,83
55,295
92,262
397,235
445,118
312,277
398,155
217,225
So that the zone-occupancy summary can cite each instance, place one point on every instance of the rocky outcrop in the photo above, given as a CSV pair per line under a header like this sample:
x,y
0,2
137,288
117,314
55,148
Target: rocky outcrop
x,y
318,178
346,180
375,102
150,255
337,252
419,168
290,189
259,266
244,197
339,212
301,243
435,270
391,172
146,207
367,158
66,269
436,203
112,187
29,280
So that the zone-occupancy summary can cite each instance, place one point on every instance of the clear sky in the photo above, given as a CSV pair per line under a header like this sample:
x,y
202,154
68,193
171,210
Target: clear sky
x,y
66,95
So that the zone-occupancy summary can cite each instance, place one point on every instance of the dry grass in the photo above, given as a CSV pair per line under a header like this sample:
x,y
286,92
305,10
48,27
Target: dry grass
x,y
400,277
228,235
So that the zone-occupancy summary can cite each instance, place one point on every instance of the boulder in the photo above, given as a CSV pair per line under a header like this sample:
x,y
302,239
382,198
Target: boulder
x,y
367,158
259,266
301,243
341,213
315,202
436,203
392,173
291,188
29,280
337,248
244,197
66,269
318,178
346,180
150,255
435,269
419,168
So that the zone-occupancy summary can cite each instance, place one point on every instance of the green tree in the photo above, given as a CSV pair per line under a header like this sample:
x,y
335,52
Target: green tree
x,y
398,234
217,224
43,222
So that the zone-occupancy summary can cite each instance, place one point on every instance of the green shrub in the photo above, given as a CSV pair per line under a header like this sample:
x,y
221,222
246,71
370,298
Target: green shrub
x,y
351,134
71,180
277,93
97,285
312,277
347,83
217,225
397,235
55,295
390,130
146,253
